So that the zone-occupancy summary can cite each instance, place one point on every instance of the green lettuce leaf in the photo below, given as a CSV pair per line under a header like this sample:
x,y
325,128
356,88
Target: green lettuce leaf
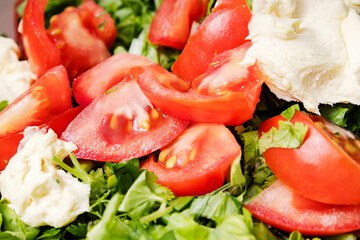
x,y
112,227
290,111
144,196
12,227
257,174
287,136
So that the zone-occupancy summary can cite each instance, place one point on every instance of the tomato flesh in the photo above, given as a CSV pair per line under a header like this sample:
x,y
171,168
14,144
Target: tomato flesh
x,y
173,20
225,28
106,74
226,93
284,209
121,124
80,49
47,97
319,169
195,163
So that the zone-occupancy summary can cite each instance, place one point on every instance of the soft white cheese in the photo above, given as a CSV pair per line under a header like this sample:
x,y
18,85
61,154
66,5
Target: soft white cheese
x,y
15,76
38,191
309,50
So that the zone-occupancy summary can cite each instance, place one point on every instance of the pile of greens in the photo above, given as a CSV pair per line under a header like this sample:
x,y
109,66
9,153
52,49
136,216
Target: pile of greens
x,y
127,203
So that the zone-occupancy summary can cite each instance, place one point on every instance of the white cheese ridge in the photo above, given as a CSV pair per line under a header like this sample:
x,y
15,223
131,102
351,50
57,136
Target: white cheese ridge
x,y
38,191
15,76
309,50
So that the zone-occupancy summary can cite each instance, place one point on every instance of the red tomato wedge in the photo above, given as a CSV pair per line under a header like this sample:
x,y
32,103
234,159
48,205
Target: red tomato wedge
x,y
196,162
80,49
98,22
40,50
227,93
106,74
58,124
225,28
281,208
327,163
173,20
48,96
121,124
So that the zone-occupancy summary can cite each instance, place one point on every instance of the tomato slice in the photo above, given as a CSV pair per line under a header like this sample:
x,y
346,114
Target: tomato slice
x,y
58,124
325,168
226,94
225,28
40,50
281,208
195,163
106,74
173,20
121,124
80,49
98,22
48,96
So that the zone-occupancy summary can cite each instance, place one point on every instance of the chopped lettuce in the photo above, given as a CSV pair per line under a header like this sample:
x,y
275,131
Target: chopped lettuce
x,y
287,136
290,112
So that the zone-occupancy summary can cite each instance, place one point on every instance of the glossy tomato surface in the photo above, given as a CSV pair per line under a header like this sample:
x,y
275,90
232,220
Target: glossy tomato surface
x,y
196,162
281,208
320,169
106,74
39,48
47,97
79,46
121,124
227,93
173,20
225,28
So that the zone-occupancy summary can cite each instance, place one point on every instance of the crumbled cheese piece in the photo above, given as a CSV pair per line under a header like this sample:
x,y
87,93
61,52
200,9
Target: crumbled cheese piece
x,y
38,191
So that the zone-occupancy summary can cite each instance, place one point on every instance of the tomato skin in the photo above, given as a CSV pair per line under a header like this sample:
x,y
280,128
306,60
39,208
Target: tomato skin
x,y
231,108
207,171
80,50
106,74
48,96
173,20
40,50
279,207
57,123
113,70
101,131
328,174
225,28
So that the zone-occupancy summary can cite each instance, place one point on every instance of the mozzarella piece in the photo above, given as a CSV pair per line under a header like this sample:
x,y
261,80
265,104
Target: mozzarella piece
x,y
15,76
38,191
308,50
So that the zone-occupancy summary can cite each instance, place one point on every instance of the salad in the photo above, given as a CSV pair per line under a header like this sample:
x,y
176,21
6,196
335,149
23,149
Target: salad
x,y
177,120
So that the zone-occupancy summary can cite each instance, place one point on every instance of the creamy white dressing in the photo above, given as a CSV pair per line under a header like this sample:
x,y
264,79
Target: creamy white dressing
x,y
38,191
308,50
15,76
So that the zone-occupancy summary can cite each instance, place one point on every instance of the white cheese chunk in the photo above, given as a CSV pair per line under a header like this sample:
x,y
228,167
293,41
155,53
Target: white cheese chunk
x,y
38,191
308,50
15,76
